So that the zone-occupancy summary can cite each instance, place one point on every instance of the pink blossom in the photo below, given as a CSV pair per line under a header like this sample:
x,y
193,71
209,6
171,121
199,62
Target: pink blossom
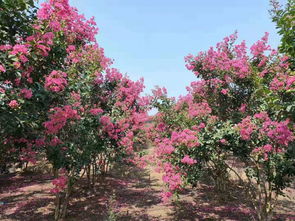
x,y
243,108
13,104
76,96
224,91
267,148
246,128
99,78
164,148
198,87
71,48
19,49
279,132
2,68
171,176
16,64
159,92
282,82
44,11
48,36
55,141
186,137
59,119
109,127
43,50
56,81
23,58
127,142
59,183
105,120
26,93
161,127
187,160
262,116
260,46
200,109
40,142
264,150
17,81
223,141
222,59
96,111
5,47
166,196
113,74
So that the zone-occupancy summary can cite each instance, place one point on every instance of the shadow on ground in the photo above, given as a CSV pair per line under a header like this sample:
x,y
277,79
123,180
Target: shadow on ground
x,y
128,193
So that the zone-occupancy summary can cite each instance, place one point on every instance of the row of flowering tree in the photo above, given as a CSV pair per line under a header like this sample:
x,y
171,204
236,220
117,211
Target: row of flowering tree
x,y
59,98
241,107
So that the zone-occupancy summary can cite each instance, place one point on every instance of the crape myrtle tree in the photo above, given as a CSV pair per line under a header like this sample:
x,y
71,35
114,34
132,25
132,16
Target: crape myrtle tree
x,y
61,100
241,107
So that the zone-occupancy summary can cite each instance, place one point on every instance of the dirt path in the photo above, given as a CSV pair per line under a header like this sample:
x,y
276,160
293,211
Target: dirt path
x,y
128,193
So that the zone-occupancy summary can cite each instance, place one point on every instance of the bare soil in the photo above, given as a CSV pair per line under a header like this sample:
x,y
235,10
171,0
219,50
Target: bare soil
x,y
129,193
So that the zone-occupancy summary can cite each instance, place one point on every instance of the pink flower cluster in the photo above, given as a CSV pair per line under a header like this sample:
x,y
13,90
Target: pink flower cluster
x,y
127,142
243,108
224,91
279,132
195,109
40,142
186,137
164,148
166,196
171,177
13,104
159,92
88,55
113,74
128,93
138,119
246,128
55,141
199,109
109,127
222,59
198,88
26,93
19,49
260,46
64,18
223,141
59,184
282,82
2,68
187,160
262,116
56,81
59,119
264,150
96,111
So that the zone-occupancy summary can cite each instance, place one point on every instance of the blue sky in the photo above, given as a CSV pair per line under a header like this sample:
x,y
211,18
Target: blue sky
x,y
149,38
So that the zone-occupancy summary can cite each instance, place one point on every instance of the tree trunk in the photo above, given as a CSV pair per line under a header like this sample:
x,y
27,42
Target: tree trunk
x,y
57,199
66,201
